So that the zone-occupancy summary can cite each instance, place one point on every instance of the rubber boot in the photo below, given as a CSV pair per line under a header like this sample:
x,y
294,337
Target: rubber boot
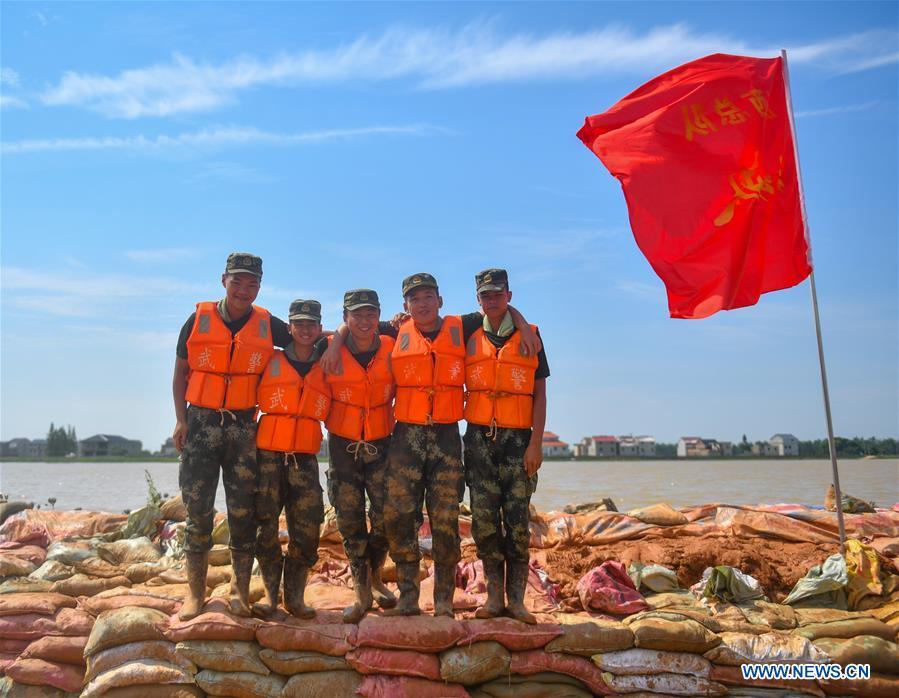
x,y
242,564
271,578
382,595
495,572
197,564
444,588
295,575
516,583
362,586
410,587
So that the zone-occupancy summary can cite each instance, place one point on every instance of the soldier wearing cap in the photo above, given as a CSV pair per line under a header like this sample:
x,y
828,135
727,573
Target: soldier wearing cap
x,y
359,427
506,414
222,350
425,460
294,399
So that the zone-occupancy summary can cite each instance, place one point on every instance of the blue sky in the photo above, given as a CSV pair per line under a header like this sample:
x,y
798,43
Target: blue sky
x,y
350,145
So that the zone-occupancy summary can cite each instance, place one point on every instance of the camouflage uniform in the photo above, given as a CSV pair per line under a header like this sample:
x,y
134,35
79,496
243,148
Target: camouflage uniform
x,y
289,482
227,440
500,492
425,465
353,473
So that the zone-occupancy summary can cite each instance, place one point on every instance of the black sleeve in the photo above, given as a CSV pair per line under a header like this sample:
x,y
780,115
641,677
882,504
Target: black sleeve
x,y
542,365
388,329
186,329
280,332
471,322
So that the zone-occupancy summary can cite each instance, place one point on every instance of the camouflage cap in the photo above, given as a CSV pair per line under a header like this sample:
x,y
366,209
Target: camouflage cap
x,y
305,310
360,298
410,283
244,263
492,280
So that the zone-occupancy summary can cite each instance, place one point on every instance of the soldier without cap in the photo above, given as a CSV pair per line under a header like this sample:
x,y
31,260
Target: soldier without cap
x,y
222,350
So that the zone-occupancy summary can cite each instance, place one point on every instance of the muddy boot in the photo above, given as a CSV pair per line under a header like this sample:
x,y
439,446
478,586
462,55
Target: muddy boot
x,y
197,564
444,588
516,583
410,586
495,571
362,586
383,596
242,564
271,578
295,589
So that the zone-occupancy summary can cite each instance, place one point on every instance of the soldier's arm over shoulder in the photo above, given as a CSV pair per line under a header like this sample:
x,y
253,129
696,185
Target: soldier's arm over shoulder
x,y
542,363
186,329
387,328
280,332
471,323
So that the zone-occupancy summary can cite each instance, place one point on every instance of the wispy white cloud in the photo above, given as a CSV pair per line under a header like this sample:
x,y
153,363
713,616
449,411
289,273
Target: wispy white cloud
x,y
231,172
440,58
827,111
10,77
11,102
215,138
165,254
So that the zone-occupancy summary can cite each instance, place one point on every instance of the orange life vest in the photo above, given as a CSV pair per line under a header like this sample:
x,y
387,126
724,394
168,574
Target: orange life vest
x,y
360,397
294,407
500,382
225,370
429,374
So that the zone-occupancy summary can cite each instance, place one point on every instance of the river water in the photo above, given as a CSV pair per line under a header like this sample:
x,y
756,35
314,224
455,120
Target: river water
x,y
119,486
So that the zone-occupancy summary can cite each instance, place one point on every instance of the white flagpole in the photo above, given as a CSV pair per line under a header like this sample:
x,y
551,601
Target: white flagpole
x,y
830,441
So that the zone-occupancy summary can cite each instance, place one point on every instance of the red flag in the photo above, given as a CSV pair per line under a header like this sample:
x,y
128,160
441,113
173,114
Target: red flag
x,y
704,154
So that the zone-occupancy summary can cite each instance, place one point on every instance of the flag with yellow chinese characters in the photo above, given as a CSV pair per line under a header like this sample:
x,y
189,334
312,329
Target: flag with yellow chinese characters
x,y
704,154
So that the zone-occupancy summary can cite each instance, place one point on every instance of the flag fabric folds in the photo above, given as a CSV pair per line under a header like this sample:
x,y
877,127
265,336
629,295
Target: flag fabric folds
x,y
705,157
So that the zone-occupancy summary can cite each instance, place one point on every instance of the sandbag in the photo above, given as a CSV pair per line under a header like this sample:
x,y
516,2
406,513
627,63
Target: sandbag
x,y
97,567
123,625
52,571
742,648
418,633
847,629
592,637
162,650
659,515
24,585
408,687
540,685
678,636
877,686
653,577
822,585
33,626
333,639
240,684
882,655
82,585
475,663
536,661
40,672
223,655
69,650
512,634
70,552
290,662
172,690
137,672
728,584
733,676
46,603
639,661
11,689
95,605
775,616
13,646
608,588
173,509
373,660
216,576
212,625
12,566
700,615
140,572
322,684
35,554
669,684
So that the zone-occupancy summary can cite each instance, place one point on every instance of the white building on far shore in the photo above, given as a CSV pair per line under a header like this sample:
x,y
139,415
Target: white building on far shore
x,y
784,445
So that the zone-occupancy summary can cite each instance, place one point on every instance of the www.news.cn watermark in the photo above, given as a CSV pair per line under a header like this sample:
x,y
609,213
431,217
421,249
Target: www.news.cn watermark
x,y
804,672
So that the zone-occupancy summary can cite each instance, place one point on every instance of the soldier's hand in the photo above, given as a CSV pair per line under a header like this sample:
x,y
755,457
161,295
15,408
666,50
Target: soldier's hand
x,y
330,361
399,319
179,436
533,458
530,343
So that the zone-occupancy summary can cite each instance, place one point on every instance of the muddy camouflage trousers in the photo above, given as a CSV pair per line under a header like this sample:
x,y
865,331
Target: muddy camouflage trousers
x,y
425,467
216,441
356,469
288,481
500,492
